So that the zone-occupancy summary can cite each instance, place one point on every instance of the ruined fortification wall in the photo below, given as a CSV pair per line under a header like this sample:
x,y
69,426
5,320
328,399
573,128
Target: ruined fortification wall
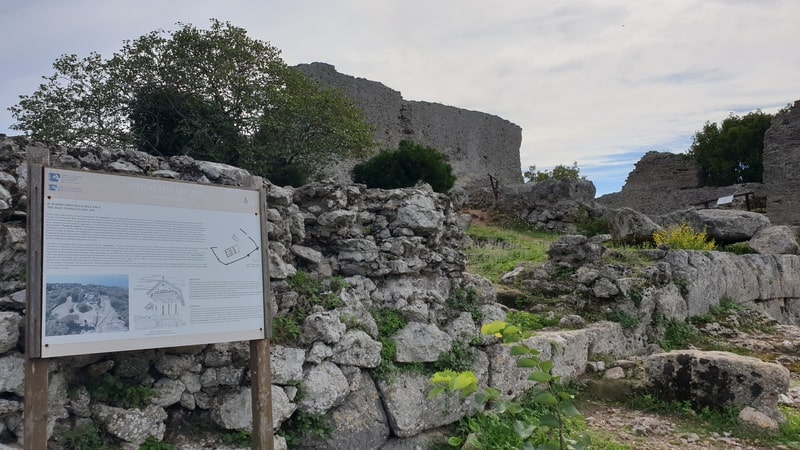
x,y
476,143
662,182
782,167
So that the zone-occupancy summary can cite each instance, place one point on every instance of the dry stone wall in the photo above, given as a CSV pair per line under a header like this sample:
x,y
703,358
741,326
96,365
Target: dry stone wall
x,y
477,144
375,254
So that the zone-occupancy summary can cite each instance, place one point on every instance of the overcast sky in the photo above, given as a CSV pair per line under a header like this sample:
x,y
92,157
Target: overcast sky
x,y
599,82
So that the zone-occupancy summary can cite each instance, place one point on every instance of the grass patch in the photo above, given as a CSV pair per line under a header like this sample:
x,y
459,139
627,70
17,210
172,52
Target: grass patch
x,y
496,250
119,392
529,321
301,426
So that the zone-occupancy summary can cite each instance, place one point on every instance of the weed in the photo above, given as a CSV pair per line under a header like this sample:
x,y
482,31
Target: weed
x,y
84,438
592,226
677,334
389,322
529,321
311,292
118,392
152,443
544,419
682,284
285,329
636,294
238,438
301,426
459,358
682,236
737,248
465,300
625,320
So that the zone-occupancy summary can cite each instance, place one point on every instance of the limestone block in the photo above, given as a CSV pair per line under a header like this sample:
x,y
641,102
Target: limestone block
x,y
286,364
325,387
775,240
357,349
420,342
718,379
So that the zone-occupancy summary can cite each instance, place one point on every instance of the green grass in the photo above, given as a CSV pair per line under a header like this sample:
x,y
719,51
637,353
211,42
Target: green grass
x,y
496,250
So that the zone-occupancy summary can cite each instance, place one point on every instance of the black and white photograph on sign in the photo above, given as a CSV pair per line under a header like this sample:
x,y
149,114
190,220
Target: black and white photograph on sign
x,y
83,304
163,304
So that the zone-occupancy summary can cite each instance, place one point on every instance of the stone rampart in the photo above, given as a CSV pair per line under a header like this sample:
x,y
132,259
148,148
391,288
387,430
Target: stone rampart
x,y
782,167
477,144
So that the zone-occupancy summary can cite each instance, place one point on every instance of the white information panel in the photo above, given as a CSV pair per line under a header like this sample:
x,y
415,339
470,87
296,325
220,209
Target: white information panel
x,y
134,263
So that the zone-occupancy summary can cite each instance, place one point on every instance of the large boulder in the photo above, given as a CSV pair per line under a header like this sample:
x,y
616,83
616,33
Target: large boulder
x,y
775,240
574,250
725,226
717,379
630,226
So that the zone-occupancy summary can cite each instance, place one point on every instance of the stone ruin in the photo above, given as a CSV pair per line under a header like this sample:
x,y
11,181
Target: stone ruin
x,y
664,182
397,251
477,144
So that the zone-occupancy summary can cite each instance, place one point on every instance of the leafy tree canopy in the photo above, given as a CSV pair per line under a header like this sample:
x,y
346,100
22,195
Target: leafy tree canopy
x,y
560,172
405,167
211,94
731,153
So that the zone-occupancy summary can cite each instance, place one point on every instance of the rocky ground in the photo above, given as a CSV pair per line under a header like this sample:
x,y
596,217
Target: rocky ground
x,y
645,430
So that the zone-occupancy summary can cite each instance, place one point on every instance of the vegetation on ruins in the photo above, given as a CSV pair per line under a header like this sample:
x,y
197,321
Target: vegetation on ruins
x,y
731,153
560,172
213,94
405,167
682,236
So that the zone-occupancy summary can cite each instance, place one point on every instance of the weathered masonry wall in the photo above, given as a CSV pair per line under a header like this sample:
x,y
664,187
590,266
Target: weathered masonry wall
x,y
782,167
477,144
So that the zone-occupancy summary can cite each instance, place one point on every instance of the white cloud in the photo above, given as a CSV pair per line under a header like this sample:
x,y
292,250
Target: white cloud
x,y
586,79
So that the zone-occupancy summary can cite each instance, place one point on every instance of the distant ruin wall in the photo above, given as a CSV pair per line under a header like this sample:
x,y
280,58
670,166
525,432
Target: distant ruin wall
x,y
477,144
782,167
662,182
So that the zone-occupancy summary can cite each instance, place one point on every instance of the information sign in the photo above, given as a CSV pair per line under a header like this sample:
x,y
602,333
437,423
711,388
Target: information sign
x,y
132,263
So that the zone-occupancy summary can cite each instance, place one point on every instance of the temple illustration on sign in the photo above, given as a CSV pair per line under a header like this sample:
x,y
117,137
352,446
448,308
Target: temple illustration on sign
x,y
165,308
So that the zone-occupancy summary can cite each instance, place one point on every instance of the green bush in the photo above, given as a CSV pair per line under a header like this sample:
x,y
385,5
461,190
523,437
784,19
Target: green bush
x,y
405,167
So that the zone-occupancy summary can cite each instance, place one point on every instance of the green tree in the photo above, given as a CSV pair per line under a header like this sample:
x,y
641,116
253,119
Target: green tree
x,y
211,94
732,153
560,172
405,167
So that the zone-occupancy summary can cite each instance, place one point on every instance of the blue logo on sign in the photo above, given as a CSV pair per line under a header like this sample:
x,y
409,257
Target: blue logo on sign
x,y
55,177
53,187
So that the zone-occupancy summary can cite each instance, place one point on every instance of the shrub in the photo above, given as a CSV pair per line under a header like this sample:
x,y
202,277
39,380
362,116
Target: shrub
x,y
405,167
682,236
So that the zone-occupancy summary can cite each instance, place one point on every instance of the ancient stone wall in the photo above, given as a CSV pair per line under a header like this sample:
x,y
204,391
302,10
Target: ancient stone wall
x,y
782,167
662,182
477,144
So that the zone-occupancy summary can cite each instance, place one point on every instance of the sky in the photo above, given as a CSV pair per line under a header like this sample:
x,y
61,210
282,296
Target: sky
x,y
597,82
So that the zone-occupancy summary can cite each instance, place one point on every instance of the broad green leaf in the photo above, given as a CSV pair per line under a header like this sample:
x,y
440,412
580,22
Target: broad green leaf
x,y
474,441
541,377
435,392
514,408
549,420
493,328
463,381
546,365
527,362
545,398
442,377
523,429
564,395
519,350
455,441
569,410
